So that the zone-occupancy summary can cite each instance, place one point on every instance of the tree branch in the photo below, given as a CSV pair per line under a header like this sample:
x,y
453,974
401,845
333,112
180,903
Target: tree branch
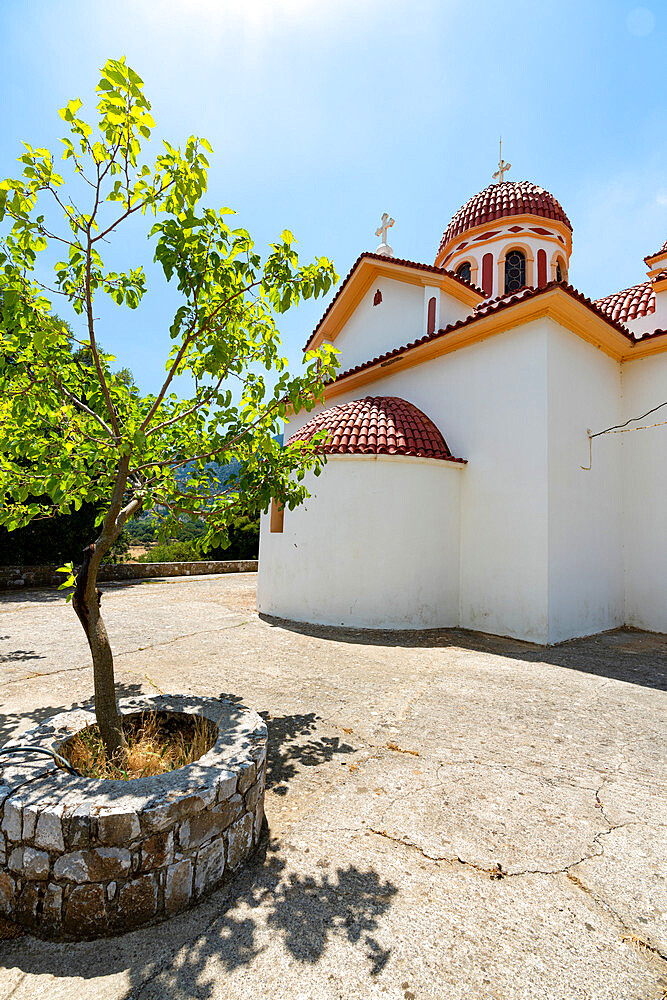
x,y
196,406
186,343
130,211
89,314
78,402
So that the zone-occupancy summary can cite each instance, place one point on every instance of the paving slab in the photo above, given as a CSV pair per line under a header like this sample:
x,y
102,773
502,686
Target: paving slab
x,y
451,815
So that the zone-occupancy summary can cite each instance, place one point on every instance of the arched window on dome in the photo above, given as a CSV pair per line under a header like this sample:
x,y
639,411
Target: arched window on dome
x,y
515,271
561,274
464,271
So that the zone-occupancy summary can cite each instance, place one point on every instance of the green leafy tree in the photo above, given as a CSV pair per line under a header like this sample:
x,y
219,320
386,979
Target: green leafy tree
x,y
53,538
84,433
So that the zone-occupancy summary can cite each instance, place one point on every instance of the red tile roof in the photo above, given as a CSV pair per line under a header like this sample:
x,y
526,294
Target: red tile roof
x,y
663,249
498,201
380,425
628,303
367,255
486,309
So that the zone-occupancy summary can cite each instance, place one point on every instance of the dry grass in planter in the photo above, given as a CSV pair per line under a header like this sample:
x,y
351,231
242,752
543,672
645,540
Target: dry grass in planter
x,y
157,742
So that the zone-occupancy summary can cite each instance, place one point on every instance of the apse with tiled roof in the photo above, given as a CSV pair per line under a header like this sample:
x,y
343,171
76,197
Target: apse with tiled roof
x,y
375,543
383,425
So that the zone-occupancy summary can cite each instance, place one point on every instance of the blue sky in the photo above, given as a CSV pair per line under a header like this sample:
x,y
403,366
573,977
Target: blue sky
x,y
324,113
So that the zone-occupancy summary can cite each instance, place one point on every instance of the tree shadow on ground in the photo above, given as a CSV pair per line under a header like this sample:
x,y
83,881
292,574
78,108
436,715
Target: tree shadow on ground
x,y
20,655
265,908
291,744
38,595
624,654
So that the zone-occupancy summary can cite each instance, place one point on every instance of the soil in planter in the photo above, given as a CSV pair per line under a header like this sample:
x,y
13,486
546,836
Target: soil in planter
x,y
157,742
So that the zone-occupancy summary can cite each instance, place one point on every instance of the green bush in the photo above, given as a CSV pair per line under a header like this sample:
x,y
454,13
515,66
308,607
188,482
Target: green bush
x,y
142,530
243,544
172,551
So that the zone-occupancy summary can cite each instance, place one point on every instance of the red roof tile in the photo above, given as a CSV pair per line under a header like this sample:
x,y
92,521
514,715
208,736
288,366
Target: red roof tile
x,y
628,303
663,249
498,201
485,309
380,425
367,255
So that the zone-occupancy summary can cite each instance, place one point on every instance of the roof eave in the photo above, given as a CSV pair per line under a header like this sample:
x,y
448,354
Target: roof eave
x,y
656,258
562,305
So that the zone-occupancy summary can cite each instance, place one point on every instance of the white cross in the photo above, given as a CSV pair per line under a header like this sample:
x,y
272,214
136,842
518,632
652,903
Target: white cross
x,y
385,224
502,166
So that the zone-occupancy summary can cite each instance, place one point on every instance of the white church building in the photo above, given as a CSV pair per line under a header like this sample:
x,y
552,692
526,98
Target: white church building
x,y
468,483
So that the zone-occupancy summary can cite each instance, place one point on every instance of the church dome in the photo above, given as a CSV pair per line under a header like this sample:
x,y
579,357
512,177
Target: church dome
x,y
501,201
376,425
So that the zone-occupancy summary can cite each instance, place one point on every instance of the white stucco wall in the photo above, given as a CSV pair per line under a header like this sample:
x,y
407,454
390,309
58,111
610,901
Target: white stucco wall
x,y
585,507
489,402
644,458
375,546
372,330
548,551
399,319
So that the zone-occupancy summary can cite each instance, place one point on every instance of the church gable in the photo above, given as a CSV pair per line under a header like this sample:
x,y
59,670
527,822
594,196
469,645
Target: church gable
x,y
384,302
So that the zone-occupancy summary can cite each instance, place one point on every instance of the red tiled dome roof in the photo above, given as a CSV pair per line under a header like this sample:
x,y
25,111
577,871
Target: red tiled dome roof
x,y
499,201
629,303
380,425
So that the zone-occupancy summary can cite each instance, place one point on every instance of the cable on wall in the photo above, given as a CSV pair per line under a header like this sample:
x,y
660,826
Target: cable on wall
x,y
621,429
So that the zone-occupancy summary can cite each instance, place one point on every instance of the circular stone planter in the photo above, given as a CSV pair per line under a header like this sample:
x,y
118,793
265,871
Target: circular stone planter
x,y
84,857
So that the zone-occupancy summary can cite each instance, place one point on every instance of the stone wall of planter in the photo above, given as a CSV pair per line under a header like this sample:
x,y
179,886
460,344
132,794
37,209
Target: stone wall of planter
x,y
15,577
84,858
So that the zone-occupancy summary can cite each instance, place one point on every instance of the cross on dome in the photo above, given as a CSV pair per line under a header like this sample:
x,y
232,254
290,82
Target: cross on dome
x,y
385,224
502,166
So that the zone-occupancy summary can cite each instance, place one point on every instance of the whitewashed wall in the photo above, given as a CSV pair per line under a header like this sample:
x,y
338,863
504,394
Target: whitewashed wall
x,y
489,402
397,320
376,546
644,454
548,551
584,507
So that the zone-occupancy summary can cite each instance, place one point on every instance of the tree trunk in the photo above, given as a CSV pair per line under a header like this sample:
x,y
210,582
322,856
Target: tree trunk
x,y
86,602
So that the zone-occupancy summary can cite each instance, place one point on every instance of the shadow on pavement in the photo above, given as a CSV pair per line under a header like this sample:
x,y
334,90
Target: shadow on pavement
x,y
185,956
624,654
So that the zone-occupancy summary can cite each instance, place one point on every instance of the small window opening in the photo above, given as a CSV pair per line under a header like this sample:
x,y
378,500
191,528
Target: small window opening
x,y
277,516
560,276
377,298
465,271
487,274
515,271
430,325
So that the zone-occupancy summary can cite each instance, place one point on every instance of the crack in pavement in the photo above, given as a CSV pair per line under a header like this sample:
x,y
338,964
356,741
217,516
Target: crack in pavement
x,y
467,763
124,652
499,873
